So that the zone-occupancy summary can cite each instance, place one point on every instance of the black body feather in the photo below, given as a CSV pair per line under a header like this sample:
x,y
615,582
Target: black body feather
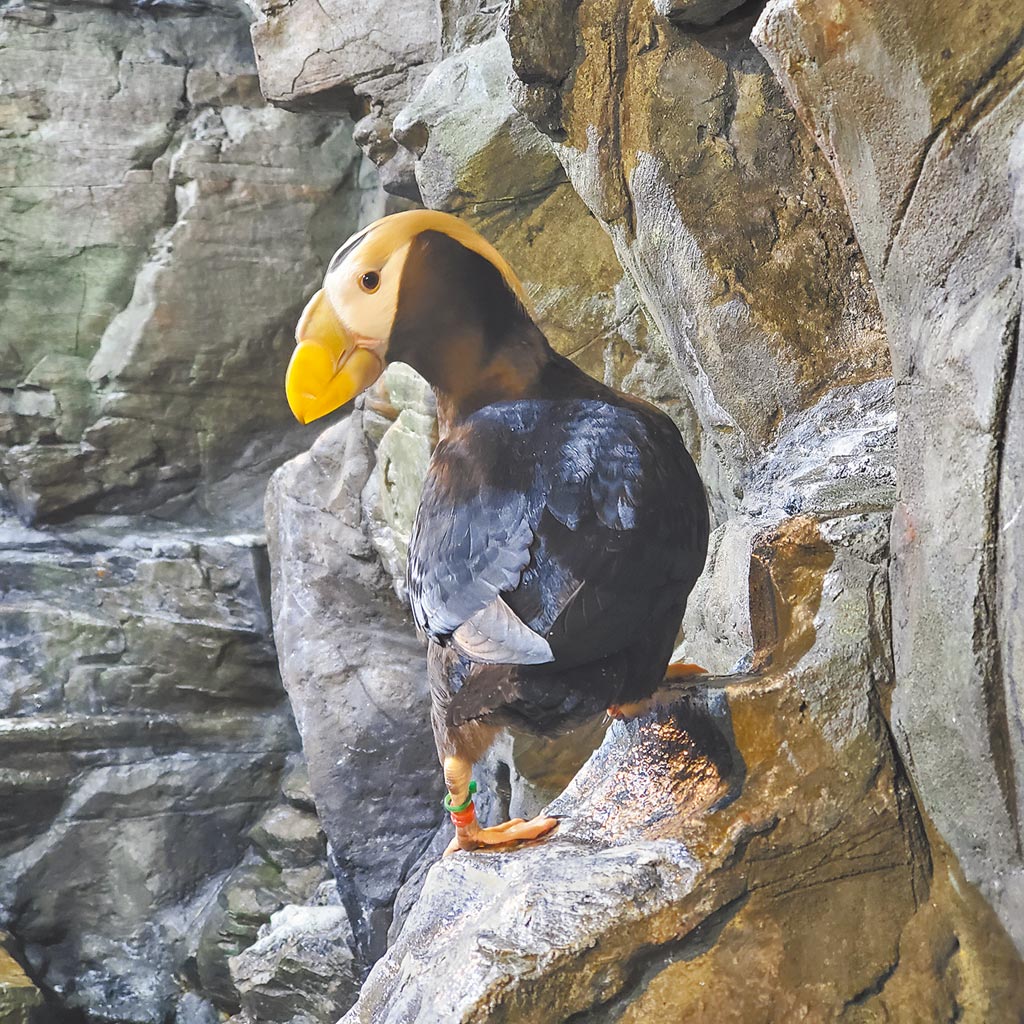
x,y
580,509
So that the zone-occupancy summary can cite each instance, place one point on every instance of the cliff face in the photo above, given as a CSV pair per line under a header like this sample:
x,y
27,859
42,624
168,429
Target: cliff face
x,y
791,225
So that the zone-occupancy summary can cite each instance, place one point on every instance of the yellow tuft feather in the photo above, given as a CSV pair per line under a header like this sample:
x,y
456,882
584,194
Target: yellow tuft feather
x,y
387,235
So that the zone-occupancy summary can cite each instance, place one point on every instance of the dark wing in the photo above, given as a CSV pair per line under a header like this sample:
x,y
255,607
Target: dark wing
x,y
619,544
600,519
470,544
625,526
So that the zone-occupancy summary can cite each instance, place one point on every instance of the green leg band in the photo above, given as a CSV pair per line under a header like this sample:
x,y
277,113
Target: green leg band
x,y
448,806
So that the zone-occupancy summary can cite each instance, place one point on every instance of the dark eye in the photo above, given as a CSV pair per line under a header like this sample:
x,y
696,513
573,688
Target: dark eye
x,y
370,281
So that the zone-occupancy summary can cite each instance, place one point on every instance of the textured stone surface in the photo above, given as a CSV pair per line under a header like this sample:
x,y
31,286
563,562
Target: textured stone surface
x,y
20,1000
164,226
143,730
286,863
319,53
723,214
356,677
699,251
160,229
918,127
301,970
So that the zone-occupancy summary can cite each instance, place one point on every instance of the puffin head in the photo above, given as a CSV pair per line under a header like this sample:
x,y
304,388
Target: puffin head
x,y
419,287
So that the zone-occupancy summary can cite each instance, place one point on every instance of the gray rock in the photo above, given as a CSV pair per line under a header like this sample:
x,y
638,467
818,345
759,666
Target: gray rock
x,y
193,1009
289,837
295,786
244,904
302,969
143,731
1009,553
106,898
312,55
169,224
471,145
356,678
321,56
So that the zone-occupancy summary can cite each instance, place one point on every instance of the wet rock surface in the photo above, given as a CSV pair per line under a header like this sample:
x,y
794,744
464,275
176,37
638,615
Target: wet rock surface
x,y
286,863
160,228
301,969
143,731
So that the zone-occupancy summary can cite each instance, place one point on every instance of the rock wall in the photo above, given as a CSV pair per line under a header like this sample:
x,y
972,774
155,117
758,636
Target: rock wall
x,y
919,127
162,224
790,226
160,228
720,177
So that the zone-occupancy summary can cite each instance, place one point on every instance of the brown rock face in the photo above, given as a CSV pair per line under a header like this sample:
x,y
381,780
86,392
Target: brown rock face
x,y
917,115
723,212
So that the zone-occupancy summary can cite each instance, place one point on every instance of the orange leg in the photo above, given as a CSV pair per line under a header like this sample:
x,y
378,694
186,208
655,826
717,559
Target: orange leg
x,y
468,833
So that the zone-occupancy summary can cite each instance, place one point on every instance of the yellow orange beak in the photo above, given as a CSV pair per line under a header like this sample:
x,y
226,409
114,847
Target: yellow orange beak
x,y
327,368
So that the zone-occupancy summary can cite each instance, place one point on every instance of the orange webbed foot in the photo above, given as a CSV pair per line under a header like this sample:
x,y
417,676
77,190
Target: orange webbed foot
x,y
515,831
682,669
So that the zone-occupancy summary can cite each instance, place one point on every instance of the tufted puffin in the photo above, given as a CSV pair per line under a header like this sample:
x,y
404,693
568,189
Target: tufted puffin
x,y
562,524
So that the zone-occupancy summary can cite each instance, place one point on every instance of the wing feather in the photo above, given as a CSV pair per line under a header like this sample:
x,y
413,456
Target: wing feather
x,y
552,533
497,636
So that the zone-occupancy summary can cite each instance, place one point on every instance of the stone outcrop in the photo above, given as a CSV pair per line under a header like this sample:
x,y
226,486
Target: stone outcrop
x,y
164,226
301,969
143,731
286,863
356,677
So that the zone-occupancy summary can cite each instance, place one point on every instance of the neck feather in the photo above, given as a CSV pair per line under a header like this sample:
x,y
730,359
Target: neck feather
x,y
478,371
